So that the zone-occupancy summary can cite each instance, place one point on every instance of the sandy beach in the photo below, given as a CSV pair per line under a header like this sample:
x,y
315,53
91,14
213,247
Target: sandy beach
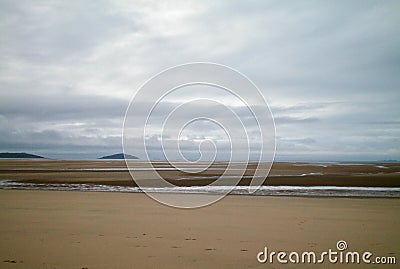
x,y
54,229
74,229
199,134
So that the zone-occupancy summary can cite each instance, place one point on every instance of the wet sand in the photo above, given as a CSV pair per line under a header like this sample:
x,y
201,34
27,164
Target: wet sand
x,y
50,229
286,174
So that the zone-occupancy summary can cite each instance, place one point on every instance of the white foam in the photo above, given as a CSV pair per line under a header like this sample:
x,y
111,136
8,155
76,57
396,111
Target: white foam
x,y
327,191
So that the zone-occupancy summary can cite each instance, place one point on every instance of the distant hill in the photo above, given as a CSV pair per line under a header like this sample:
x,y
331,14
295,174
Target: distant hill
x,y
119,156
19,155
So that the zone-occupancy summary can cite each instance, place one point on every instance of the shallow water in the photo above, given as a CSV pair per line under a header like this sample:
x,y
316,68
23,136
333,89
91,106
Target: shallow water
x,y
321,191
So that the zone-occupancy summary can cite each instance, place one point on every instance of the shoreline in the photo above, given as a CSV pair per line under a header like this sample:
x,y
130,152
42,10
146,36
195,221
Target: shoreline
x,y
238,195
198,193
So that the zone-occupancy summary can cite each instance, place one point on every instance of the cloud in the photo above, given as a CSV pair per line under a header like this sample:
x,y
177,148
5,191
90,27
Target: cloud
x,y
46,107
329,69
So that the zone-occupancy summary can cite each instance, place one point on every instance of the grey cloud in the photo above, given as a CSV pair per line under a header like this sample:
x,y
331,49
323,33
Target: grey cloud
x,y
286,120
382,122
329,69
57,30
67,146
44,107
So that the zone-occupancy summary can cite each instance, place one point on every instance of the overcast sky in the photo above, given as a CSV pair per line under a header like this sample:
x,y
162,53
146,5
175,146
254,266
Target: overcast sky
x,y
330,70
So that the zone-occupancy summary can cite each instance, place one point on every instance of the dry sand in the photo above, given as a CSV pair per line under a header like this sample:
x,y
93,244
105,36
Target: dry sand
x,y
49,229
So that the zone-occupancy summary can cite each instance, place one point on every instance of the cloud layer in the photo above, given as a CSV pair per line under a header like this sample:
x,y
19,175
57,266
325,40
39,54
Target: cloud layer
x,y
330,70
